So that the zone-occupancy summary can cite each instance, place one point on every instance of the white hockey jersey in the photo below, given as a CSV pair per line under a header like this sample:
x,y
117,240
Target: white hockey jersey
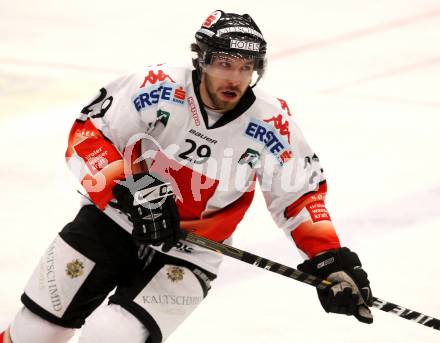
x,y
156,116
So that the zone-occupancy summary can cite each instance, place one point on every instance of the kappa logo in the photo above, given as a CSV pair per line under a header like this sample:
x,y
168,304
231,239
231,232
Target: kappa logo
x,y
75,269
175,273
250,157
283,128
285,107
195,114
154,77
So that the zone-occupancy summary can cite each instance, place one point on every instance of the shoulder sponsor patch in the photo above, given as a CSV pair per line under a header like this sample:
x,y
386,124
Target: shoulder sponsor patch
x,y
317,211
167,92
271,139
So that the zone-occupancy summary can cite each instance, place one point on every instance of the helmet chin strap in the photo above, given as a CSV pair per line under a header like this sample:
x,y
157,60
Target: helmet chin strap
x,y
260,75
210,107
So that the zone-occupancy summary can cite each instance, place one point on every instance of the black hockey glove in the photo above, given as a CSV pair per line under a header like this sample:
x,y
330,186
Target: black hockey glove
x,y
150,206
350,293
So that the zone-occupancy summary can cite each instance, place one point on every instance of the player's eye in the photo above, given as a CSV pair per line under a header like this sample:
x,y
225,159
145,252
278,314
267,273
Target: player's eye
x,y
246,68
225,64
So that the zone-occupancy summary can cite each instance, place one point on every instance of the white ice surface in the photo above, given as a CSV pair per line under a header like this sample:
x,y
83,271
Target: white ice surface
x,y
362,79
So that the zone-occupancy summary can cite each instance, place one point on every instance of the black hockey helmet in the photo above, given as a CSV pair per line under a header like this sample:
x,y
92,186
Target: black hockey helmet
x,y
232,34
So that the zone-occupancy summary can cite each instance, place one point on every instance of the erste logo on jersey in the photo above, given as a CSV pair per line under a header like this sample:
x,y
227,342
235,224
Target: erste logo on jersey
x,y
165,92
270,138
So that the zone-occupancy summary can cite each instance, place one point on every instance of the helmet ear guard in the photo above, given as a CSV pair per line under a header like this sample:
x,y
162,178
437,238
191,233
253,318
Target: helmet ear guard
x,y
230,34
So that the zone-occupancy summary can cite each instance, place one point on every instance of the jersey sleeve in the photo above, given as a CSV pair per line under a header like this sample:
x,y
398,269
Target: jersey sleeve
x,y
101,136
294,188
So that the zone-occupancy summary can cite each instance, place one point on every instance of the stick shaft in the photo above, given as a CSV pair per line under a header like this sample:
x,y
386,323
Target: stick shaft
x,y
298,275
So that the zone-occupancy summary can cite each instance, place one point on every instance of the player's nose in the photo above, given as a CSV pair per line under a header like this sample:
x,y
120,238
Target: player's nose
x,y
233,82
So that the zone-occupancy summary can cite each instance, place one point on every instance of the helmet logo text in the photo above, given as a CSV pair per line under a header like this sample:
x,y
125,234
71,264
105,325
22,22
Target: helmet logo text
x,y
244,45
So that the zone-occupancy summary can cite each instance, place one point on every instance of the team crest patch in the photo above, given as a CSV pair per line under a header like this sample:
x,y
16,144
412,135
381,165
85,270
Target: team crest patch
x,y
163,116
175,273
250,157
75,268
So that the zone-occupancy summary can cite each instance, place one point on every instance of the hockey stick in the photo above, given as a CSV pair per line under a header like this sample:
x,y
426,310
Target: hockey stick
x,y
295,274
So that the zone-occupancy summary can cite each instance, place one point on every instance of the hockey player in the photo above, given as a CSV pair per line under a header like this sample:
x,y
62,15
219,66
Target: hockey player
x,y
171,149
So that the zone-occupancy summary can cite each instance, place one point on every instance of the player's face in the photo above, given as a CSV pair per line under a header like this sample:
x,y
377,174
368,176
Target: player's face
x,y
224,81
